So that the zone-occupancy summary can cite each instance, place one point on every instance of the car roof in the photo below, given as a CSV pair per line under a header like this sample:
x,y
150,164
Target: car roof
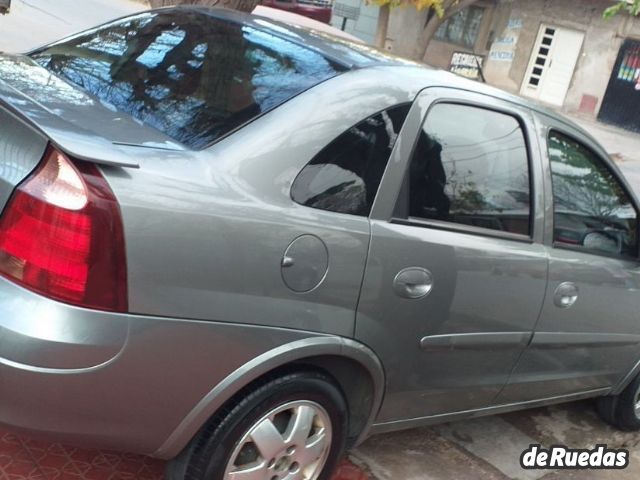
x,y
349,54
292,18
431,77
354,55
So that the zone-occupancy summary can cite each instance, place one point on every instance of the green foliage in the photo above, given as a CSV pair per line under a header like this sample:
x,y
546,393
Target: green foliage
x,y
437,5
631,6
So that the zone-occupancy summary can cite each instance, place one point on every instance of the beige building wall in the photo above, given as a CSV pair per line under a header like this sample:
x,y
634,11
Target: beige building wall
x,y
507,40
602,41
407,23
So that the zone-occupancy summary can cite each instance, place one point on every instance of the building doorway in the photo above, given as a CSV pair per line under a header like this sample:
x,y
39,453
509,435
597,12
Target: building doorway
x,y
552,64
621,102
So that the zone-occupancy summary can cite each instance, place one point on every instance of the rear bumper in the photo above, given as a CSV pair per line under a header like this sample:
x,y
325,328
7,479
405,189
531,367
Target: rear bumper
x,y
113,381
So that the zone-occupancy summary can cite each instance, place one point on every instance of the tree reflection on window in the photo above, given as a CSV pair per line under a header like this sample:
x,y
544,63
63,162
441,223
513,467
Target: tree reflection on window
x,y
471,167
188,74
590,205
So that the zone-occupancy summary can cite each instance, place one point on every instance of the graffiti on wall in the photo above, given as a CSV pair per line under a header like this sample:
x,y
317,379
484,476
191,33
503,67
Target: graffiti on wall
x,y
621,102
504,48
629,70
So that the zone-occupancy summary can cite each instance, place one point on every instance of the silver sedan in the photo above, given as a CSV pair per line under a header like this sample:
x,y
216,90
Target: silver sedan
x,y
245,247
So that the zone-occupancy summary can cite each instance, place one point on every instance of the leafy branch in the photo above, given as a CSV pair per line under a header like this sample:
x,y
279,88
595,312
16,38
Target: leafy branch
x,y
631,6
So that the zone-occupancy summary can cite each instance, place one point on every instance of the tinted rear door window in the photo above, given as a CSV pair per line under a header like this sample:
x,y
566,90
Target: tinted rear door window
x,y
190,75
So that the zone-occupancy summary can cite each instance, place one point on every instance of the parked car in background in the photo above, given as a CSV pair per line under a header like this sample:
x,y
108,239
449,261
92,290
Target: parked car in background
x,y
319,10
293,19
244,247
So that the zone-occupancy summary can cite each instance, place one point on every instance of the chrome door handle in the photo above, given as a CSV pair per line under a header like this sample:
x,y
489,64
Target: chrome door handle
x,y
566,295
413,283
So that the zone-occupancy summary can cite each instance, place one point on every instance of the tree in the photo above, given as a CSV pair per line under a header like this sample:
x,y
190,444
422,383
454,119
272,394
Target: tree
x,y
242,5
631,6
438,11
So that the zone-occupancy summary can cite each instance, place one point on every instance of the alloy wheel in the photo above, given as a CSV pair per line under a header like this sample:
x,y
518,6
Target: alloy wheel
x,y
292,442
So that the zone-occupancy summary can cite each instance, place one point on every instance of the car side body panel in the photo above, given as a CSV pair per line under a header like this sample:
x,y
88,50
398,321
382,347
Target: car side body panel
x,y
115,381
453,349
595,343
297,352
206,234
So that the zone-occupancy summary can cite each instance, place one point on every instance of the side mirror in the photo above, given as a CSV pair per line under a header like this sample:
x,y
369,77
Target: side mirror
x,y
603,241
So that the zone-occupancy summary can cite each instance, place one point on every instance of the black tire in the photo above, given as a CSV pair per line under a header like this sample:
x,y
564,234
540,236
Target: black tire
x,y
619,410
207,455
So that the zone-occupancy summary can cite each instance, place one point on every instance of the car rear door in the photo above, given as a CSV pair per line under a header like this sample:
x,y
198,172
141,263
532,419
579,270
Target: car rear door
x,y
456,271
588,336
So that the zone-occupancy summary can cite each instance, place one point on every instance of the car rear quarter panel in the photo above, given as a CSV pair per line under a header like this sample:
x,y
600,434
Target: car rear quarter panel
x,y
114,381
205,234
21,149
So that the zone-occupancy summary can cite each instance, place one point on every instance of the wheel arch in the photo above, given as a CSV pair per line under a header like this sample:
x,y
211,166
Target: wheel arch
x,y
355,368
627,379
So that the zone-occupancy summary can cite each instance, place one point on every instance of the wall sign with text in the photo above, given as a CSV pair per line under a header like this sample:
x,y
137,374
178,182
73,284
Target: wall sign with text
x,y
504,47
467,65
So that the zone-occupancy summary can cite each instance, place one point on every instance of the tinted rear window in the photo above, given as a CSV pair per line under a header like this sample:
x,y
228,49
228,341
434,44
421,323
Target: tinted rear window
x,y
344,177
188,74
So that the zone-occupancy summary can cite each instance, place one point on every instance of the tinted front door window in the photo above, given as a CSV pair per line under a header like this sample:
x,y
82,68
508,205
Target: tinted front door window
x,y
591,208
471,167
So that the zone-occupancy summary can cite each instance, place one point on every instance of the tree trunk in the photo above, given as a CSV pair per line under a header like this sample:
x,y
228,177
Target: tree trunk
x,y
426,35
451,7
383,26
241,5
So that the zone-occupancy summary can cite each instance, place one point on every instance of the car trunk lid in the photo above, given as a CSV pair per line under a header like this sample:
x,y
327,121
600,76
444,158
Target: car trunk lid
x,y
70,118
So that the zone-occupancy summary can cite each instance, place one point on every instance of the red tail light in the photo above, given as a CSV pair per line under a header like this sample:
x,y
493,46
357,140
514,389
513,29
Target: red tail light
x,y
61,235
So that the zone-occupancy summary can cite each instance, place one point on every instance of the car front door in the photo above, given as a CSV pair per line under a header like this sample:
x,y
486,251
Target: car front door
x,y
588,336
456,271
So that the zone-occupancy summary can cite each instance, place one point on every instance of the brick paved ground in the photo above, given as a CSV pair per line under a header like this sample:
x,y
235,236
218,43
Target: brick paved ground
x,y
23,458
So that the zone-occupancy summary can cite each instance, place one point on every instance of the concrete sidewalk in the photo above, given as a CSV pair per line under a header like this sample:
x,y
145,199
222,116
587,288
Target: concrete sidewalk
x,y
622,145
489,448
32,23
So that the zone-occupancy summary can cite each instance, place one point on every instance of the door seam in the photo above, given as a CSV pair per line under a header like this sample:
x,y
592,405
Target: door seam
x,y
364,273
533,331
